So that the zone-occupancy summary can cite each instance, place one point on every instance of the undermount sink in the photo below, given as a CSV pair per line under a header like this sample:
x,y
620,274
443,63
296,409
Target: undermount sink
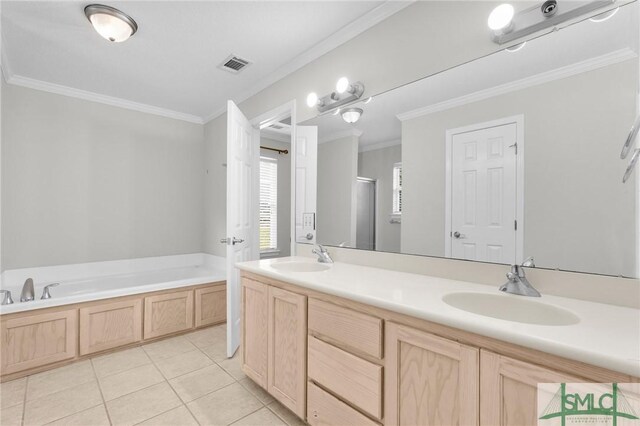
x,y
511,308
300,267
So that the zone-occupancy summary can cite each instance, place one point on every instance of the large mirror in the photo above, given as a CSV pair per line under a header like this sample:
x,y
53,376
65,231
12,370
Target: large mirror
x,y
511,156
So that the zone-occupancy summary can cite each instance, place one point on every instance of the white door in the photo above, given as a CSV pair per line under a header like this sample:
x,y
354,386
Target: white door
x,y
243,179
306,183
483,194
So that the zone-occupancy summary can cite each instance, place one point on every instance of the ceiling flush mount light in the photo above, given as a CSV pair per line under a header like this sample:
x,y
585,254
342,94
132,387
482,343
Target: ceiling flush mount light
x,y
516,47
351,115
604,16
111,23
344,94
501,19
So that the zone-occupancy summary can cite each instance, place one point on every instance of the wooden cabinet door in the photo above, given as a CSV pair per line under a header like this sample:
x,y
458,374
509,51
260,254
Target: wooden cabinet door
x,y
110,325
509,389
288,349
168,313
429,380
37,340
211,305
255,311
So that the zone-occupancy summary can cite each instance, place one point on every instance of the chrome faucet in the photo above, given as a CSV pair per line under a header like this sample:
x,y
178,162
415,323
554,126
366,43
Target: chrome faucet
x,y
518,282
28,293
45,291
323,254
6,300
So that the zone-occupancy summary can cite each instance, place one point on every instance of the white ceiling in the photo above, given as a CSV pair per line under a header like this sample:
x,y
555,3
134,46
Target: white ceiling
x,y
170,64
577,48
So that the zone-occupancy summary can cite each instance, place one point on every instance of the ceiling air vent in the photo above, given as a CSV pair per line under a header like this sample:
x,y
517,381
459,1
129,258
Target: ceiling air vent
x,y
234,64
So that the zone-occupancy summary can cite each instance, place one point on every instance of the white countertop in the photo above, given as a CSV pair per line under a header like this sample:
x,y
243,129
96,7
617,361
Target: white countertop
x,y
607,336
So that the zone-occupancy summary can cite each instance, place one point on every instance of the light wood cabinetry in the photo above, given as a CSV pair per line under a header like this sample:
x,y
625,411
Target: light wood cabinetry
x,y
168,313
109,325
211,305
255,326
429,380
509,389
323,409
36,340
287,337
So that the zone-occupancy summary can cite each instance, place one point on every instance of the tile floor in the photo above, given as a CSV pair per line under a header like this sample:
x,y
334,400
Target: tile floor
x,y
184,380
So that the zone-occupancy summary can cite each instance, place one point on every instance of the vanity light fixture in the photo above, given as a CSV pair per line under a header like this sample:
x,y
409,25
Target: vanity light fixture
x,y
111,23
345,93
604,16
507,26
351,115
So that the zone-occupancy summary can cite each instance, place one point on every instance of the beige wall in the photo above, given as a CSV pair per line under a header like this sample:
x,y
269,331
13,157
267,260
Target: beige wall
x,y
378,164
336,208
215,186
284,191
578,215
83,182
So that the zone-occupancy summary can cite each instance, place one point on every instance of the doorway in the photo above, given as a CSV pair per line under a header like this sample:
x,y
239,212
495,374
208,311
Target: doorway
x,y
366,213
485,191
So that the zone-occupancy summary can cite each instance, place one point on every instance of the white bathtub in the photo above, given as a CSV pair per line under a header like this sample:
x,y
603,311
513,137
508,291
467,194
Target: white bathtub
x,y
101,280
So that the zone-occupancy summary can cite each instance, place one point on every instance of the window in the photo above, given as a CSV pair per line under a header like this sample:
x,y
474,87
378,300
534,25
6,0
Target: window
x,y
268,204
397,189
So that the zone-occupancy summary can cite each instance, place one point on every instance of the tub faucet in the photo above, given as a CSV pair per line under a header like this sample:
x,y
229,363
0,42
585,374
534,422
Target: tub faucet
x,y
6,300
323,254
28,293
45,291
518,283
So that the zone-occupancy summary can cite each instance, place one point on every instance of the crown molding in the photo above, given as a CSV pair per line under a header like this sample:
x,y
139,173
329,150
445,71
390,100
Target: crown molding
x,y
341,134
103,99
346,33
545,77
379,145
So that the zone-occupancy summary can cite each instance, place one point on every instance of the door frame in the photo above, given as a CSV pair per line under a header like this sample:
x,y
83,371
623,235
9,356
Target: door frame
x,y
518,120
265,119
375,207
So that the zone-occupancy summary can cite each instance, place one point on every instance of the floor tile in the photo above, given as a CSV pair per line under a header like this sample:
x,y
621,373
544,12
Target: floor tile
x,y
217,351
208,336
12,393
58,379
142,405
168,348
262,417
62,404
96,416
233,366
200,382
183,364
118,362
177,417
256,390
11,416
224,406
285,414
129,381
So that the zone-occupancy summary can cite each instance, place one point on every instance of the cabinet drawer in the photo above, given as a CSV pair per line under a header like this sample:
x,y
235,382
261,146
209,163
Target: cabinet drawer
x,y
356,330
323,409
211,305
168,313
110,325
37,340
352,378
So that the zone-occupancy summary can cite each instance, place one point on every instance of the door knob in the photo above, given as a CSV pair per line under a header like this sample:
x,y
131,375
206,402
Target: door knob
x,y
458,235
309,236
231,241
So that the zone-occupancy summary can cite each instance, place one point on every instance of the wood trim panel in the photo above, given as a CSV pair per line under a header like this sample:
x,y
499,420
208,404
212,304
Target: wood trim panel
x,y
325,410
30,342
110,325
168,313
561,364
413,395
211,305
360,332
346,375
255,319
287,342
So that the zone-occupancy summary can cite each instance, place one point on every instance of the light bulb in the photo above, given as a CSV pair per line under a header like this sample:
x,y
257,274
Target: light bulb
x,y
501,17
312,99
342,85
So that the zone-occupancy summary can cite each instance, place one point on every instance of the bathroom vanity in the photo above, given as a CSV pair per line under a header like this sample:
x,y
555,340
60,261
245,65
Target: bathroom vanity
x,y
347,344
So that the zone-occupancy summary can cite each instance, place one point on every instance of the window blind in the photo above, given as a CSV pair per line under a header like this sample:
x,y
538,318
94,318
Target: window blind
x,y
268,204
397,188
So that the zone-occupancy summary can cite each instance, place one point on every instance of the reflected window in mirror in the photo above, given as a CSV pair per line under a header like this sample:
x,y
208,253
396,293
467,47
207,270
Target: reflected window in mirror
x,y
268,204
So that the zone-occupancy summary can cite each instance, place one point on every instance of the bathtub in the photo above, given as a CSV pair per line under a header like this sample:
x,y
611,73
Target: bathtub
x,y
102,280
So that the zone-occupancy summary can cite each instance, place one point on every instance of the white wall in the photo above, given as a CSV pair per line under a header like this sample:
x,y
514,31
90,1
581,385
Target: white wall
x,y
215,186
284,191
336,208
83,182
578,215
378,164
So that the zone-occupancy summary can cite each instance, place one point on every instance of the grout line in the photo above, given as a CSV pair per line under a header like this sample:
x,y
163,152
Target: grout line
x,y
159,414
244,417
78,412
95,375
24,399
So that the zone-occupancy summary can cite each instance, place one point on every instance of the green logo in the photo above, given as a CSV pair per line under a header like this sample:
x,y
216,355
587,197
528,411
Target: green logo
x,y
612,404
